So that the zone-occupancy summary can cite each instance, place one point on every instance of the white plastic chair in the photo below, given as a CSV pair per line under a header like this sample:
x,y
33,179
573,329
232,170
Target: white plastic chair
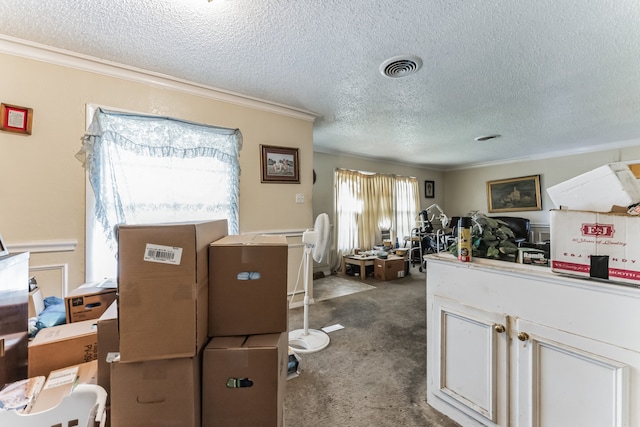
x,y
84,407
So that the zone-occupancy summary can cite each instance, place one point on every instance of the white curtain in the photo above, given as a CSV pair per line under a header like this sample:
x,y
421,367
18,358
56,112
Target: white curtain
x,y
149,169
367,204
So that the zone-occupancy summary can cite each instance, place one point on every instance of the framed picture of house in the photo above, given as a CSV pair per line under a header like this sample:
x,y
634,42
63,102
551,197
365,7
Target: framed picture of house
x,y
514,194
279,164
429,191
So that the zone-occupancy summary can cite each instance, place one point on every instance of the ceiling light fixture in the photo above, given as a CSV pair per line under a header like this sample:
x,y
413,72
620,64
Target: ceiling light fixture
x,y
401,66
487,137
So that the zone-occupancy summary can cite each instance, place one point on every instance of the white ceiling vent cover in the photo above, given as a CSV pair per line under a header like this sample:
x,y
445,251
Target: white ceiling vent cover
x,y
401,66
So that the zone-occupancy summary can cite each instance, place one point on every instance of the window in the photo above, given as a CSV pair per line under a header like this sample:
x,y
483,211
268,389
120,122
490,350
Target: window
x,y
149,169
369,204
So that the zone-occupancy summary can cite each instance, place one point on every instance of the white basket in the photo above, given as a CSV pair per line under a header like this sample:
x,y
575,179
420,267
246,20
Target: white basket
x,y
84,407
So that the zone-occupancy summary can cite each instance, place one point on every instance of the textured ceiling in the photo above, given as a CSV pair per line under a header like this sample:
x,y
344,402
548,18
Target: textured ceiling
x,y
548,75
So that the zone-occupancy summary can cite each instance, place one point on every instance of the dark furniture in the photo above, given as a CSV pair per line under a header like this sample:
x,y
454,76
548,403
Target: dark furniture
x,y
14,312
521,227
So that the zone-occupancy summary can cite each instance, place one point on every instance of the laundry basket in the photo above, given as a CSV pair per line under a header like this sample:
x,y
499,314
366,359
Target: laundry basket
x,y
84,407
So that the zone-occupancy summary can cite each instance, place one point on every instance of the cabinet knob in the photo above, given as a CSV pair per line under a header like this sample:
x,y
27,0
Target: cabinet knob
x,y
523,336
498,328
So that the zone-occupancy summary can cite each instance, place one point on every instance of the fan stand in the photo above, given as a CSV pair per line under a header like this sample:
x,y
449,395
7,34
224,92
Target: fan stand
x,y
307,340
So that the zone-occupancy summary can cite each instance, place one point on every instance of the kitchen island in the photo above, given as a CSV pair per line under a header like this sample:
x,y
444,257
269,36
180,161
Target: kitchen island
x,y
517,345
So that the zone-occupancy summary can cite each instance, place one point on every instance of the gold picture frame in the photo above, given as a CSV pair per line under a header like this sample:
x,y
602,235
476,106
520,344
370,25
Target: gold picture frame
x,y
279,164
514,194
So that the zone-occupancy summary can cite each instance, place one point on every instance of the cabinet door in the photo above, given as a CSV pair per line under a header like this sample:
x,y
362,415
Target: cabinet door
x,y
471,362
563,379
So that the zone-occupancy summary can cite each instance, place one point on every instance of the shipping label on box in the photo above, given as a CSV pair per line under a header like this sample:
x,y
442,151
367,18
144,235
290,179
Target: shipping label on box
x,y
596,245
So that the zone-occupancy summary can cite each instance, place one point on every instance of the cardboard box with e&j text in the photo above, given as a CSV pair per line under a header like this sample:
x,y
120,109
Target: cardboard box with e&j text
x,y
163,286
596,245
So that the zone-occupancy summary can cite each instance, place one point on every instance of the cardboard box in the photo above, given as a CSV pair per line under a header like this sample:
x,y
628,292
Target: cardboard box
x,y
156,393
596,245
61,382
163,285
597,190
243,381
108,342
248,285
389,269
63,346
88,302
532,256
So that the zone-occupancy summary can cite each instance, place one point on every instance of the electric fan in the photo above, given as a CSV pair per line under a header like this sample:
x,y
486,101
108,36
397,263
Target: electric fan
x,y
315,244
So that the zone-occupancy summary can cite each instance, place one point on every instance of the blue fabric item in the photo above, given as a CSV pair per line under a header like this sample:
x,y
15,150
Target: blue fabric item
x,y
150,169
53,314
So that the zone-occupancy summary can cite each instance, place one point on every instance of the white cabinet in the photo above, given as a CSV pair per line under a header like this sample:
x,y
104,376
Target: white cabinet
x,y
470,364
563,379
509,345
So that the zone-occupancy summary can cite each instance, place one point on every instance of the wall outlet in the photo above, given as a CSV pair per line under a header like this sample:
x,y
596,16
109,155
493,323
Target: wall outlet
x,y
299,198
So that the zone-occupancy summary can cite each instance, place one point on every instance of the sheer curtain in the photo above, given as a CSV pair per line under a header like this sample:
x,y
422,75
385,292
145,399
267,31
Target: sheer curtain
x,y
150,169
368,203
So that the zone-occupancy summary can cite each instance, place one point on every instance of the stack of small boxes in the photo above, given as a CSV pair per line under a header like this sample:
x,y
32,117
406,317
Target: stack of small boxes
x,y
245,364
202,325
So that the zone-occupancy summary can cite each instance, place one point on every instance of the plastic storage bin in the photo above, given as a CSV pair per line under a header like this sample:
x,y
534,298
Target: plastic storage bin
x,y
84,407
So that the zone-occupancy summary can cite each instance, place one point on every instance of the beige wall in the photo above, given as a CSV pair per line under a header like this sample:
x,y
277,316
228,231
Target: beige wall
x,y
466,189
42,190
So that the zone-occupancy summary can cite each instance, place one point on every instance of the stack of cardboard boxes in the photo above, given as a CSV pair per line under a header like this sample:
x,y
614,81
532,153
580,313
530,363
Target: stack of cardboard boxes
x,y
201,328
245,364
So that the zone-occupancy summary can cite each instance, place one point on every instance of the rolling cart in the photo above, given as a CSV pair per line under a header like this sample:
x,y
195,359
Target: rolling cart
x,y
84,407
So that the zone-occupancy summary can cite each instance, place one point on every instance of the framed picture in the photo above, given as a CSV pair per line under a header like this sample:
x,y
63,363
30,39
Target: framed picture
x,y
279,164
429,191
515,194
15,119
3,248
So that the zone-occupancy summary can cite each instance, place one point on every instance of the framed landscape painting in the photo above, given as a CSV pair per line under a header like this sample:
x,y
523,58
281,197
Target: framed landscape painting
x,y
514,194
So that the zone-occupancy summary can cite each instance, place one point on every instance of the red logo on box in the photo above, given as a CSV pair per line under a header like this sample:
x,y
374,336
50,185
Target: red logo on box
x,y
598,230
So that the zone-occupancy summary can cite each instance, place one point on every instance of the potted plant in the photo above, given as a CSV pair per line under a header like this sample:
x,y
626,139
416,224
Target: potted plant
x,y
490,238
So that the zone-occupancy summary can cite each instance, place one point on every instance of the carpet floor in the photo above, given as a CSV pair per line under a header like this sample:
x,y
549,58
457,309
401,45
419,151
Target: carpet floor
x,y
373,373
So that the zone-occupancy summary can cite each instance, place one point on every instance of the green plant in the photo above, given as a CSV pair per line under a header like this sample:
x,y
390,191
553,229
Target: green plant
x,y
490,238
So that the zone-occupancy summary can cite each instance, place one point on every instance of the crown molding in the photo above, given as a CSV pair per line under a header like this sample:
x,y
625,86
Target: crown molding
x,y
38,52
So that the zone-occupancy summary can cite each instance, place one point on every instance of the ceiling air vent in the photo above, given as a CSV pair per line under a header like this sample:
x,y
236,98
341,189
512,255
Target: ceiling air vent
x,y
401,66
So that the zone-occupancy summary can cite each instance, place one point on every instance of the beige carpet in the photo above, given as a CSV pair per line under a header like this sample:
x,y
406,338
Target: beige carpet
x,y
329,287
337,286
373,373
